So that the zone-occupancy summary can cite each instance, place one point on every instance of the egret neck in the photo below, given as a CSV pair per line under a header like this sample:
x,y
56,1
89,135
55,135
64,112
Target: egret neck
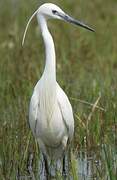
x,y
49,74
50,64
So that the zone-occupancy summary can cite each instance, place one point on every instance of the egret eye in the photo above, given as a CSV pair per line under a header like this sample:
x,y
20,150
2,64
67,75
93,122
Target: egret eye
x,y
54,11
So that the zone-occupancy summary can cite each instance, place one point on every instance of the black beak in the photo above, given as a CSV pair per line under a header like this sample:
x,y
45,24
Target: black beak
x,y
74,21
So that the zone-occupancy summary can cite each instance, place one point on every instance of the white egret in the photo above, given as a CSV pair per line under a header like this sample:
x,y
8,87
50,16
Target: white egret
x,y
50,113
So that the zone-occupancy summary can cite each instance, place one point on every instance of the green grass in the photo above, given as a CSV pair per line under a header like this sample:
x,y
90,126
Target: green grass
x,y
86,70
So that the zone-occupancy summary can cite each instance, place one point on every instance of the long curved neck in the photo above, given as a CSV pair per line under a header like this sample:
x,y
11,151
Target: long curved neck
x,y
48,88
50,64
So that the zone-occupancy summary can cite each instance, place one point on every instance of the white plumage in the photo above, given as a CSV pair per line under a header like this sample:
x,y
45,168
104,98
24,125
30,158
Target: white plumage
x,y
50,115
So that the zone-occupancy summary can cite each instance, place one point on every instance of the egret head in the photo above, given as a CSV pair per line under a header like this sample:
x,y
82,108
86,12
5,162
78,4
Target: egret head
x,y
49,10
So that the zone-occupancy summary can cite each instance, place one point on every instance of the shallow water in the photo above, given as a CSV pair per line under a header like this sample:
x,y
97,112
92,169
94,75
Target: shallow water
x,y
89,165
95,164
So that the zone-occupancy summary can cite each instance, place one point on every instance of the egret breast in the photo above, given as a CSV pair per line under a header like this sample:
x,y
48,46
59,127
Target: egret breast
x,y
51,129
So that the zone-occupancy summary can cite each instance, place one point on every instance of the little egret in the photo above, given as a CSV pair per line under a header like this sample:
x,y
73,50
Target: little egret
x,y
50,113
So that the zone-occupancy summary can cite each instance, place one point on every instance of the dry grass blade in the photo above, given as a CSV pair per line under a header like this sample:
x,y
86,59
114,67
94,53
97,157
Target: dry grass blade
x,y
88,103
90,114
80,120
26,150
93,108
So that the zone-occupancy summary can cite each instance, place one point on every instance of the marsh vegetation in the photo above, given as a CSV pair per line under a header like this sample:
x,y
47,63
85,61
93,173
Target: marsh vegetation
x,y
86,70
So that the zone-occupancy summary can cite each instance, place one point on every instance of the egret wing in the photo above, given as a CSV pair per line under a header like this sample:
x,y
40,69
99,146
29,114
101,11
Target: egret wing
x,y
34,110
66,110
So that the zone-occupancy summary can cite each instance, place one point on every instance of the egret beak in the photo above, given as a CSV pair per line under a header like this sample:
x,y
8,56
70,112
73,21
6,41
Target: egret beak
x,y
69,19
28,25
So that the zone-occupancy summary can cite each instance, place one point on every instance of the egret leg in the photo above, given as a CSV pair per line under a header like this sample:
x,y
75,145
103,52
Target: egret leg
x,y
66,159
65,166
46,167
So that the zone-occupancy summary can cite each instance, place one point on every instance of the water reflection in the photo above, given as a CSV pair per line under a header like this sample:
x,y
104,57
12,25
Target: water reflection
x,y
87,165
90,165
98,164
